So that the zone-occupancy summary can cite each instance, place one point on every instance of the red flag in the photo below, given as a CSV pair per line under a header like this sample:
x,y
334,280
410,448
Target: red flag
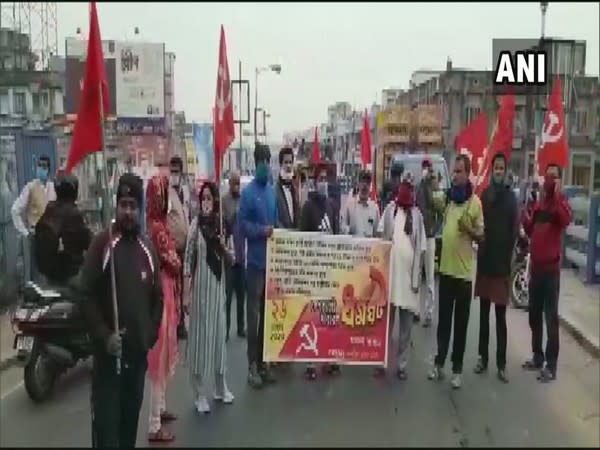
x,y
87,133
365,141
502,139
471,141
316,153
373,194
224,130
554,147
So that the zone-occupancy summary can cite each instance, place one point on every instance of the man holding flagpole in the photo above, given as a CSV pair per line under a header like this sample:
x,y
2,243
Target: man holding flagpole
x,y
120,347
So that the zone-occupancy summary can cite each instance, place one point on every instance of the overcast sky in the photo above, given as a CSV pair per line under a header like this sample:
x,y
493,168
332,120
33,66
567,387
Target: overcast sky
x,y
328,51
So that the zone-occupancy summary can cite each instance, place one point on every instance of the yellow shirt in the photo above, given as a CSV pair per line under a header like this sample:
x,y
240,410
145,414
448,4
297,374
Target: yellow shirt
x,y
457,259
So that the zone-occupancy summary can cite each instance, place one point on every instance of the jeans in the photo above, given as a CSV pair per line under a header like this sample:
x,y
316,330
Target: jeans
x,y
235,285
543,303
255,315
454,297
484,333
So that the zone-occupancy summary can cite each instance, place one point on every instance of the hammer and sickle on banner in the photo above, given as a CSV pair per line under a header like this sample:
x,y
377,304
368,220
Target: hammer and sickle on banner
x,y
223,101
547,135
310,342
466,151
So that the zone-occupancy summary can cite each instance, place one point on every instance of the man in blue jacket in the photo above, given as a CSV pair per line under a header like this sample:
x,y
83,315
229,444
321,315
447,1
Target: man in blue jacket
x,y
257,217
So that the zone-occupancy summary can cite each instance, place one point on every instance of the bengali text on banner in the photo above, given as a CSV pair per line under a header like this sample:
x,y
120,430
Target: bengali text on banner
x,y
326,299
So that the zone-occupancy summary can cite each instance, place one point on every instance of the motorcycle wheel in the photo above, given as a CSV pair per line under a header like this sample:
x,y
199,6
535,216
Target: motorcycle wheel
x,y
39,375
519,286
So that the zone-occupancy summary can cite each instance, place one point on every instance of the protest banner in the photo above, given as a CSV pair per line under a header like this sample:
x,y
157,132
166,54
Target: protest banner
x,y
326,299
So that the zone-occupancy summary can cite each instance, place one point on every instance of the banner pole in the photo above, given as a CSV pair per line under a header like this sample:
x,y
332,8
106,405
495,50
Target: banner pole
x,y
108,204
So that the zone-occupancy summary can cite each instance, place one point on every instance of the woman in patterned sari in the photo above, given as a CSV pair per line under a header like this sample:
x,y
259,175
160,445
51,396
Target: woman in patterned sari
x,y
162,359
205,281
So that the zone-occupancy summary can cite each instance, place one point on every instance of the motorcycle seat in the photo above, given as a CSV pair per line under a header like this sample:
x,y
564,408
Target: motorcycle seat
x,y
63,310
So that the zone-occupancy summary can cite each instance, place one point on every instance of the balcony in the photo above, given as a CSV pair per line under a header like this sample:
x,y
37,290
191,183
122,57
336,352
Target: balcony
x,y
388,139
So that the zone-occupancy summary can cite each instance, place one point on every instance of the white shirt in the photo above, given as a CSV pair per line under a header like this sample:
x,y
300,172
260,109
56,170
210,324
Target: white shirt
x,y
361,219
287,192
19,207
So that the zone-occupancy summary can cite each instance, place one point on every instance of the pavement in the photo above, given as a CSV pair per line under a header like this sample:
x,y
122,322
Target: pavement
x,y
579,310
353,410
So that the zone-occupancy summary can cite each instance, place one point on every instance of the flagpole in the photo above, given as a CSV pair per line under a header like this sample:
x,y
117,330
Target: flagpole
x,y
113,284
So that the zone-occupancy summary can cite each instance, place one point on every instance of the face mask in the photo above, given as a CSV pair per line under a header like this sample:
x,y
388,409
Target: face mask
x,y
42,174
322,188
498,180
285,175
425,173
262,173
175,180
206,207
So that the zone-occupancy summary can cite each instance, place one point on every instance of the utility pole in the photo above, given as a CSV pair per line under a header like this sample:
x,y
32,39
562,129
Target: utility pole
x,y
240,119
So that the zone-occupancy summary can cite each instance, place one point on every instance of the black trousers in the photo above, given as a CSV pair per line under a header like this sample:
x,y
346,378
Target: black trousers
x,y
255,314
543,303
116,400
454,297
235,285
484,333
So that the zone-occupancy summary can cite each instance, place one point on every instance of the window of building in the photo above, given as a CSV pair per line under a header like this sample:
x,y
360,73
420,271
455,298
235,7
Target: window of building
x,y
35,101
4,103
19,104
581,170
580,126
471,113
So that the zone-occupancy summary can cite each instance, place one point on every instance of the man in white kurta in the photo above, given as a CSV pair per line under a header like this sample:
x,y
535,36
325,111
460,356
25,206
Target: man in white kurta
x,y
408,246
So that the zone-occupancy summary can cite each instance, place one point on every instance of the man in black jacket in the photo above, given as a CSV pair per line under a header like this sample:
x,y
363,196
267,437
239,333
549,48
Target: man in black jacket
x,y
285,191
61,235
319,214
117,398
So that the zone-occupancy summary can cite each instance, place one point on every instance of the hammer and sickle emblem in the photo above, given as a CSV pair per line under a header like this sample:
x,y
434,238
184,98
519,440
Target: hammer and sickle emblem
x,y
310,341
547,131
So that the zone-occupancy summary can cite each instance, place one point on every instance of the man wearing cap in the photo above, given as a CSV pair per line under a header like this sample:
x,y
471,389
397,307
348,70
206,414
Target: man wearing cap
x,y
427,206
117,397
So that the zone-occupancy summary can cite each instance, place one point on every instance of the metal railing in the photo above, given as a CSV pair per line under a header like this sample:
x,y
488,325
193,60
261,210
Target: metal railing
x,y
581,246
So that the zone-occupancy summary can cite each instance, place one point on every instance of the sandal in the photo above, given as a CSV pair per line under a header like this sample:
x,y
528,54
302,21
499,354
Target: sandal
x,y
167,416
161,435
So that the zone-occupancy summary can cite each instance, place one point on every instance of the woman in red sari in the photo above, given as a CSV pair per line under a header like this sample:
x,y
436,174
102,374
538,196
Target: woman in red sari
x,y
162,359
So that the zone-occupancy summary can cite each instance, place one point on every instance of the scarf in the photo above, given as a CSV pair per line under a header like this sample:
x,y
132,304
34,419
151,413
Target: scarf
x,y
460,193
405,199
209,227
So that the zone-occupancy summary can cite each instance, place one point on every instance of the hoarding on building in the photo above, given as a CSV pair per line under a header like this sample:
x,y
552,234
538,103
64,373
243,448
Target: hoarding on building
x,y
429,124
138,69
74,74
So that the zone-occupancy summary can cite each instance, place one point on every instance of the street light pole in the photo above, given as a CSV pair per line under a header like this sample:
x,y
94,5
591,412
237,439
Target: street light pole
x,y
273,68
256,105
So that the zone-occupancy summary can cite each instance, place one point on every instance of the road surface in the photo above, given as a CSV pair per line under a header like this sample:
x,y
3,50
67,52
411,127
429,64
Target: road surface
x,y
353,410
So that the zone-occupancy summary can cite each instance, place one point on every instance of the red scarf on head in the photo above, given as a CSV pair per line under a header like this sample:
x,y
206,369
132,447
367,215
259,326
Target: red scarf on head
x,y
406,196
405,199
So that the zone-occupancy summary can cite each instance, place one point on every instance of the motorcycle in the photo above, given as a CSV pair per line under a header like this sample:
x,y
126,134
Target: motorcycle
x,y
50,338
519,278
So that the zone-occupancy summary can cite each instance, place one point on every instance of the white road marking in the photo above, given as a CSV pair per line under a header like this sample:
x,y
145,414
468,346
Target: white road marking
x,y
12,390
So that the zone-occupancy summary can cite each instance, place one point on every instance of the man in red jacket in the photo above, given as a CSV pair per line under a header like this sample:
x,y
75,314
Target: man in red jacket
x,y
545,223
